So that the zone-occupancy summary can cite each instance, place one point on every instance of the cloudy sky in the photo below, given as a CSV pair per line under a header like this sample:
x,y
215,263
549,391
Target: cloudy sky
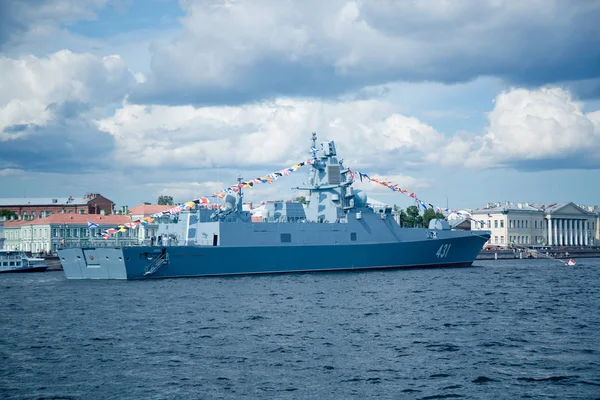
x,y
463,102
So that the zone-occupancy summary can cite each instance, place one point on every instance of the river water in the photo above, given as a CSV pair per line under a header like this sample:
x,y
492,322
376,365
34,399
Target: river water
x,y
501,329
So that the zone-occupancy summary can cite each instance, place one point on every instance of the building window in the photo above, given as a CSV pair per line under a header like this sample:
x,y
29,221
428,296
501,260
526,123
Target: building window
x,y
526,224
496,239
501,223
511,223
286,237
502,239
496,224
535,224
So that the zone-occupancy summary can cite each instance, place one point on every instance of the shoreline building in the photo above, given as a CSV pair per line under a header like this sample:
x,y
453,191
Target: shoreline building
x,y
140,212
49,233
32,208
525,224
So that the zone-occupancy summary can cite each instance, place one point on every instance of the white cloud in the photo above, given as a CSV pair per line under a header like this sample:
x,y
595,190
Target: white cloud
x,y
37,90
10,171
544,126
528,129
368,133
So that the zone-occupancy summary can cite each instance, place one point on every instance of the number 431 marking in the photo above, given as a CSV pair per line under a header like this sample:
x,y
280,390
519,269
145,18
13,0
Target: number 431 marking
x,y
443,251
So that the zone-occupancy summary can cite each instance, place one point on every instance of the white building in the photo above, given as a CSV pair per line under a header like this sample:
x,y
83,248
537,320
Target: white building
x,y
559,224
49,233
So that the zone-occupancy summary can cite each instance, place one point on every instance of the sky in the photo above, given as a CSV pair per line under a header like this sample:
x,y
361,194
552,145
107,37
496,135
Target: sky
x,y
462,102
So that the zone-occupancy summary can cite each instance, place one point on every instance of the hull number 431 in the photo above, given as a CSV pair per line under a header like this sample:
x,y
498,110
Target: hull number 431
x,y
443,251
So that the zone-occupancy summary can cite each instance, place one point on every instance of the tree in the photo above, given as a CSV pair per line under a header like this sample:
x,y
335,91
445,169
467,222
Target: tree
x,y
413,219
300,199
402,218
8,214
165,200
430,214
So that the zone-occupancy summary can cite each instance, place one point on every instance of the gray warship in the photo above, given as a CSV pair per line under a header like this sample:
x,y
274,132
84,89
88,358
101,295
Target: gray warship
x,y
337,231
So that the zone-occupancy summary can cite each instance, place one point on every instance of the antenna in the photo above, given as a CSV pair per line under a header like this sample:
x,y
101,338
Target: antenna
x,y
196,183
239,179
240,202
313,147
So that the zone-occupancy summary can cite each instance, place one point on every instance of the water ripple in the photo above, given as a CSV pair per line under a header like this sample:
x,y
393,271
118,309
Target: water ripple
x,y
503,329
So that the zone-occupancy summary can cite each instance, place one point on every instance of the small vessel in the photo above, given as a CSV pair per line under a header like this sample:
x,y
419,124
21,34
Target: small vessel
x,y
338,230
570,263
18,261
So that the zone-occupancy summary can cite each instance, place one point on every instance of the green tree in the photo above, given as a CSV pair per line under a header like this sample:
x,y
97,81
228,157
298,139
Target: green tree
x,y
300,199
402,218
413,219
8,214
165,200
430,214
401,215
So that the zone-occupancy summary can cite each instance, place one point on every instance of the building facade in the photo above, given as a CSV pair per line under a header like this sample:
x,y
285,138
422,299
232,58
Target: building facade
x,y
49,233
524,224
145,210
32,208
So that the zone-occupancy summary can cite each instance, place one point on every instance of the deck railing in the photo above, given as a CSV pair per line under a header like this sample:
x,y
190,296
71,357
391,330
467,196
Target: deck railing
x,y
105,243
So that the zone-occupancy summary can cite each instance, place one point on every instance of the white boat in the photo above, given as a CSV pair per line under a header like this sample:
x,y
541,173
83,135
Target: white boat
x,y
18,261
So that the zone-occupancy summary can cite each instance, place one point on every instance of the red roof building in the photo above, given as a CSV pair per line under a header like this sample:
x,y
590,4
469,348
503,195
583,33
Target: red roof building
x,y
49,233
32,208
147,209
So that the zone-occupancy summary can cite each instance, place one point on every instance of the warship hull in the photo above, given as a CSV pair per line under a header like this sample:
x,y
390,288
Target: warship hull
x,y
337,230
150,262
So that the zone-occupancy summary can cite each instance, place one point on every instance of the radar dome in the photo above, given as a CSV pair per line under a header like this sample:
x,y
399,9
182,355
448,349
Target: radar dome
x,y
360,198
229,203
